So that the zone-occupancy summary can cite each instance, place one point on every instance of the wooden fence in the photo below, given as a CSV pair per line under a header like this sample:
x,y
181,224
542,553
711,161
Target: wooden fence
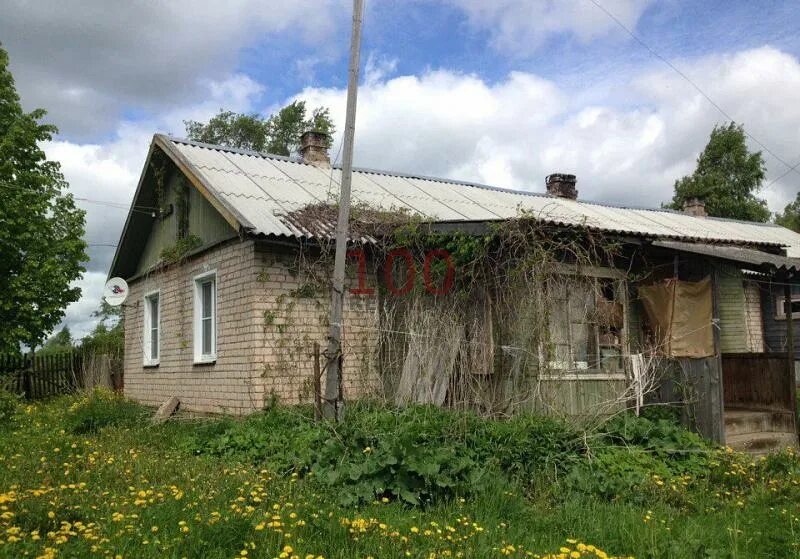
x,y
42,375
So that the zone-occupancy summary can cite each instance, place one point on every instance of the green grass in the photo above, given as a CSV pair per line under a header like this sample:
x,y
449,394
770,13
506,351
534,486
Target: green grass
x,y
127,488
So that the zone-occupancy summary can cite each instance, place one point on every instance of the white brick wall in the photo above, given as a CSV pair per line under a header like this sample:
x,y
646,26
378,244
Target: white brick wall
x,y
230,385
267,323
293,315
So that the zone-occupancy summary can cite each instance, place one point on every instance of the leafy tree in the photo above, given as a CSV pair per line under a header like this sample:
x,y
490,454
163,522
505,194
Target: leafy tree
x,y
58,342
727,177
790,218
279,134
41,229
109,334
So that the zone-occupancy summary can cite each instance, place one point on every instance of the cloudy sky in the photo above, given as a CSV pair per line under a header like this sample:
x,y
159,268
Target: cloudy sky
x,y
501,92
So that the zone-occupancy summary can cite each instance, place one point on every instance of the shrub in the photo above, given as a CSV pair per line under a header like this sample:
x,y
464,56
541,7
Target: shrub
x,y
614,473
682,451
418,454
283,438
8,405
103,408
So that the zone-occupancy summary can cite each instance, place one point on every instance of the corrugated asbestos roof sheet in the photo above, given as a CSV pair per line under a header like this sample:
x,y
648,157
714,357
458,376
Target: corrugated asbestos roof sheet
x,y
744,256
265,189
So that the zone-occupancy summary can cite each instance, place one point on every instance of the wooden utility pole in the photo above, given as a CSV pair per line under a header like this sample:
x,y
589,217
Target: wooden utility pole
x,y
332,402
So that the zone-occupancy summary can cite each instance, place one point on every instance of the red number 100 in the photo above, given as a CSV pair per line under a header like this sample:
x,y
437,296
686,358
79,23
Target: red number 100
x,y
408,285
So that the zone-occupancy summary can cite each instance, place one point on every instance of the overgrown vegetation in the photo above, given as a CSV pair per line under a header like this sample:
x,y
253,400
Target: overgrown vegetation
x,y
183,246
8,405
418,454
226,488
102,408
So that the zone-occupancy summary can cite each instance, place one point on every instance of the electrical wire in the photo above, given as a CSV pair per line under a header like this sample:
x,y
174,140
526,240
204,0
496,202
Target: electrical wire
x,y
693,84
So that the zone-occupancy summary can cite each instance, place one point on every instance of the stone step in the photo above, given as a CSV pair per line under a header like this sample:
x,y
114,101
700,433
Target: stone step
x,y
740,422
761,443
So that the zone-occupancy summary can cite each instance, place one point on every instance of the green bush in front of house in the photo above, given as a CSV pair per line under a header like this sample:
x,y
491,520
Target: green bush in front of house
x,y
419,454
102,408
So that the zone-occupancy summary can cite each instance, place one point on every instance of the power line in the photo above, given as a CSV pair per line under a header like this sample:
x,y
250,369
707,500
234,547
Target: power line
x,y
108,203
792,168
693,84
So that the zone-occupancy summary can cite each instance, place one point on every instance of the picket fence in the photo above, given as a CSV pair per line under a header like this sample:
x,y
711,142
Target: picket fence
x,y
43,375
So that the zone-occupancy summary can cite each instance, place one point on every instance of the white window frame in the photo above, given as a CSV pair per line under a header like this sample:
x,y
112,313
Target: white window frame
x,y
198,280
147,328
780,311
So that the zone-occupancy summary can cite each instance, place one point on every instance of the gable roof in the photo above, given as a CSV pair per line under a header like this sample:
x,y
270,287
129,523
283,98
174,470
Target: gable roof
x,y
257,194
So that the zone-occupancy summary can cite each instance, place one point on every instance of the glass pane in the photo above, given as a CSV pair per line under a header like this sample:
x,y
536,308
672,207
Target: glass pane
x,y
206,326
154,311
154,343
207,298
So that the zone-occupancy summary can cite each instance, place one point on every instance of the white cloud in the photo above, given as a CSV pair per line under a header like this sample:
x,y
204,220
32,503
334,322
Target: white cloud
x,y
510,133
515,132
79,314
519,27
91,61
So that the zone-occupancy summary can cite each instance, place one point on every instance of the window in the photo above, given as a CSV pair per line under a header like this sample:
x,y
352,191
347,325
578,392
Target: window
x,y
781,307
152,329
586,324
205,318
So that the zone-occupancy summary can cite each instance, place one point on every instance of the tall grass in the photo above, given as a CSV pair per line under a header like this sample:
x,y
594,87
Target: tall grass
x,y
198,489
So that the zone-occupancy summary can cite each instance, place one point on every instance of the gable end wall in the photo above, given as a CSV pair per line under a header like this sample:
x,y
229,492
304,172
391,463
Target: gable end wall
x,y
232,384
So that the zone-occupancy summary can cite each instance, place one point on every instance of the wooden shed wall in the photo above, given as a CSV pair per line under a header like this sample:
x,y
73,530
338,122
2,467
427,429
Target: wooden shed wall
x,y
731,300
775,329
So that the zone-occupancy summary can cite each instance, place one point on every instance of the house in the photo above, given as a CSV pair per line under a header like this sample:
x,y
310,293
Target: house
x,y
226,251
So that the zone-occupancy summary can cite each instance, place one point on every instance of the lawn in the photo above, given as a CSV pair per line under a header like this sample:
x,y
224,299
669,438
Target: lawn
x,y
78,479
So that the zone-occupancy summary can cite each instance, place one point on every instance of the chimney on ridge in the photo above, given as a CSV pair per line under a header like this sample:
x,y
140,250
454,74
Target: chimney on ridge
x,y
561,185
695,207
314,148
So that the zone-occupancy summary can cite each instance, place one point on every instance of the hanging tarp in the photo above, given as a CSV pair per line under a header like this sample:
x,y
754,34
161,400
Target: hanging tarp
x,y
679,312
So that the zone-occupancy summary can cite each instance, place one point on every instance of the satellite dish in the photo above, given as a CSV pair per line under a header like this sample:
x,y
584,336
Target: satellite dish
x,y
115,291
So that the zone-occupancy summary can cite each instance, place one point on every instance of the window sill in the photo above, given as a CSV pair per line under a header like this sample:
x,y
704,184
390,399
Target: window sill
x,y
150,364
583,375
205,360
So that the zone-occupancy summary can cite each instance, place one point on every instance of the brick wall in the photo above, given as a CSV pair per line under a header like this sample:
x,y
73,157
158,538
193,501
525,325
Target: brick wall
x,y
270,311
231,384
292,306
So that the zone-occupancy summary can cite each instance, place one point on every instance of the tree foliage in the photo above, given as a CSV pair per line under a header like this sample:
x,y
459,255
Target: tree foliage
x,y
109,334
41,229
279,133
727,178
59,342
790,218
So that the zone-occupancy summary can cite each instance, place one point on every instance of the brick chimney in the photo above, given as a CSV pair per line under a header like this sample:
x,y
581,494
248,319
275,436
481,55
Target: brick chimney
x,y
561,185
695,207
314,148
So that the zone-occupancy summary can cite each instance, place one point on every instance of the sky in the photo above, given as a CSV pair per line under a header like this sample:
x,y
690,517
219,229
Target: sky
x,y
623,93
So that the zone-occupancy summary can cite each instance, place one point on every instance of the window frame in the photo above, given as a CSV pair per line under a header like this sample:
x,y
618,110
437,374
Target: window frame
x,y
147,330
780,310
201,358
580,370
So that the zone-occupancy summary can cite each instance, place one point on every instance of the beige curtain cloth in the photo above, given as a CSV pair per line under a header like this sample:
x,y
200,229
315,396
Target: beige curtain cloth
x,y
680,314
